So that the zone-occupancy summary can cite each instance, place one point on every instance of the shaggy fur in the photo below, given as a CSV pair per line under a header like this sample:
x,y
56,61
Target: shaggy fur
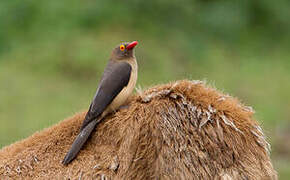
x,y
182,130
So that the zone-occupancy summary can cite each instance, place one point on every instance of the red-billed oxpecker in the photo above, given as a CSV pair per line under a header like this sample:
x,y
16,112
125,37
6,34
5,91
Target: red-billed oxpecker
x,y
116,85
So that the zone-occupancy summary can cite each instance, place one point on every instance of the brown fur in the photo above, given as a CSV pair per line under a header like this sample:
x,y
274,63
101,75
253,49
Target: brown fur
x,y
182,130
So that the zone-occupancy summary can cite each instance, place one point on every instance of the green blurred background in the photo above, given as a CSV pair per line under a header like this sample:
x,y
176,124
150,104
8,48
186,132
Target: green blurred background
x,y
52,54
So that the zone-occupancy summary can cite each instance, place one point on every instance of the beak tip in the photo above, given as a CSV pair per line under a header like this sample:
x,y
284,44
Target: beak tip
x,y
132,45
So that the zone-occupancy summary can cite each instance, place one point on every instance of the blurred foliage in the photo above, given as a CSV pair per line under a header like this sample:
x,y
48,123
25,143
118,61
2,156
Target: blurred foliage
x,y
52,54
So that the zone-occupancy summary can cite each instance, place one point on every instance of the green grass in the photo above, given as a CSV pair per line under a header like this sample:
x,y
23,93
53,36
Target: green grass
x,y
283,167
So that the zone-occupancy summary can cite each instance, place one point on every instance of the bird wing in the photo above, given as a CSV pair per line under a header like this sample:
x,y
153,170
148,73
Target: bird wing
x,y
116,76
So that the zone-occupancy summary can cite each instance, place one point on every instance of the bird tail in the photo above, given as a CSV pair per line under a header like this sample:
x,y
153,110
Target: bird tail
x,y
79,142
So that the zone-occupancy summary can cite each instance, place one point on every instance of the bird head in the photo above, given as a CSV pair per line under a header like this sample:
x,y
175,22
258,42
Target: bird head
x,y
124,51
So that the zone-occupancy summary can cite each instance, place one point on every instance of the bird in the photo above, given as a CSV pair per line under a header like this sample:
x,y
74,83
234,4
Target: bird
x,y
116,85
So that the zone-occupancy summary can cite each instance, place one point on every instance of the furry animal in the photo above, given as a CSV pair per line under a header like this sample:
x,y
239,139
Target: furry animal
x,y
180,130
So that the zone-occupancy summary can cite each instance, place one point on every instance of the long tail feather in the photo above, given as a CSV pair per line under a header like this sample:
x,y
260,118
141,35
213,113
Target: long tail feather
x,y
79,142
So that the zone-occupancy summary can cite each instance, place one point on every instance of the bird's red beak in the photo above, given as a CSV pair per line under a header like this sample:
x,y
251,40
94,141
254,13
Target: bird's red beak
x,y
131,45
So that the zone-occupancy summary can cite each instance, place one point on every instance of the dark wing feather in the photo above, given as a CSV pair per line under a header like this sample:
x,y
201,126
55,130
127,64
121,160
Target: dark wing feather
x,y
79,142
116,76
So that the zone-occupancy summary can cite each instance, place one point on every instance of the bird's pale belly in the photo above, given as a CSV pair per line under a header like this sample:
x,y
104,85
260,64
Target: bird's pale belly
x,y
126,92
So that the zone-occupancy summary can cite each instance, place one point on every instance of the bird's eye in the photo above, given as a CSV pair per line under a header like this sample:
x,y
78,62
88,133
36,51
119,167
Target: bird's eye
x,y
122,47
